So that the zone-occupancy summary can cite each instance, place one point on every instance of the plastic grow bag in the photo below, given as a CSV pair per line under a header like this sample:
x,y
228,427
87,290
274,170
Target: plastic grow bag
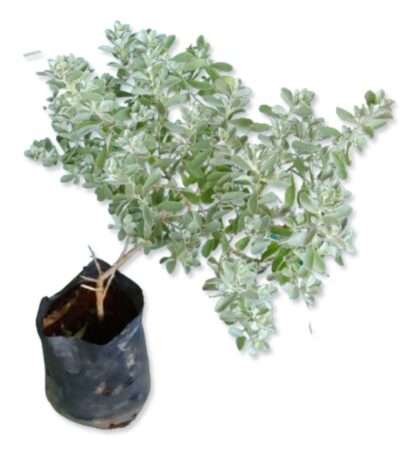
x,y
100,385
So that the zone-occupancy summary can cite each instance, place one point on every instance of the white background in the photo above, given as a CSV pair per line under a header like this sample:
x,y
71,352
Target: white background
x,y
333,393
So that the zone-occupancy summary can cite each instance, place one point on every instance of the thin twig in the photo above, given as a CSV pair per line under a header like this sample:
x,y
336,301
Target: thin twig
x,y
246,257
110,280
87,278
85,286
56,315
96,262
32,53
104,279
122,259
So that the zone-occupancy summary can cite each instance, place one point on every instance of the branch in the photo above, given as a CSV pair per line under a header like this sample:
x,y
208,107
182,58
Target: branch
x,y
104,279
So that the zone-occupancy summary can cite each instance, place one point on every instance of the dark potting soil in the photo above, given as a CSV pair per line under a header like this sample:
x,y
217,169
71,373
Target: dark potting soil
x,y
77,315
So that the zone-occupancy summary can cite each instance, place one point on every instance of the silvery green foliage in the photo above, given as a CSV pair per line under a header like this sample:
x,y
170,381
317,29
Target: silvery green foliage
x,y
163,141
43,151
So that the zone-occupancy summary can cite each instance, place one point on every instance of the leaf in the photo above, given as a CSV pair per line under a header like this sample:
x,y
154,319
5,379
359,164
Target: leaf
x,y
302,146
241,163
368,130
213,73
370,98
171,81
242,243
210,284
302,238
176,128
307,203
242,122
202,85
66,178
191,196
287,96
250,294
169,41
280,230
342,211
224,302
268,198
229,317
290,193
299,165
207,248
292,291
272,248
309,258
73,75
324,132
259,127
303,110
278,262
108,49
86,127
194,170
170,265
199,159
222,66
319,264
310,233
331,220
339,242
148,216
212,226
252,203
152,179
240,342
234,196
105,117
278,110
221,86
340,167
214,101
183,57
345,115
266,109
177,99
80,117
170,206
377,123
193,65
92,97
146,231
259,246
122,114
201,42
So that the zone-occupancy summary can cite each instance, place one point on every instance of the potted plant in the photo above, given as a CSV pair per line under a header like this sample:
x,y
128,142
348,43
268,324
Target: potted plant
x,y
164,141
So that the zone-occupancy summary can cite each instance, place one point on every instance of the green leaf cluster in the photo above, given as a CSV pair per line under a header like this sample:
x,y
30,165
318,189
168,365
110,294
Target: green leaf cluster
x,y
165,140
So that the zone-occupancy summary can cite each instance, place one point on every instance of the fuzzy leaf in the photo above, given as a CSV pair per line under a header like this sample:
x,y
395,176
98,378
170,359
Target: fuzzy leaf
x,y
222,66
290,193
170,206
345,115
242,122
152,179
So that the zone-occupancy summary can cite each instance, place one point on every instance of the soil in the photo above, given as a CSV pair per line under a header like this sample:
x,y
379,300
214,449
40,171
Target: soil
x,y
74,314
